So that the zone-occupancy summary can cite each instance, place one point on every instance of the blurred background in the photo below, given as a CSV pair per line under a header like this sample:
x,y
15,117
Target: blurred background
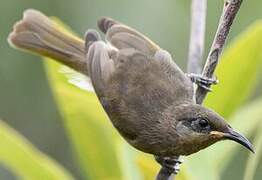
x,y
27,102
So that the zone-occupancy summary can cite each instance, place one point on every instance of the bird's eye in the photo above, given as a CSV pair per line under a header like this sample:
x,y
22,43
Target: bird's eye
x,y
203,123
200,125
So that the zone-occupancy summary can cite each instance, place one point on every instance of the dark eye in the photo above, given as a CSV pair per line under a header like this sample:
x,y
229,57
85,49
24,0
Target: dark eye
x,y
200,125
203,123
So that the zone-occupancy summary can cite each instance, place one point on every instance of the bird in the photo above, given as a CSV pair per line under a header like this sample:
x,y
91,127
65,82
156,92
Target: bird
x,y
147,97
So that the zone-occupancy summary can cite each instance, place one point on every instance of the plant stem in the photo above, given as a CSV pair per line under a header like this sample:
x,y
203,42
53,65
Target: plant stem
x,y
197,36
165,174
230,10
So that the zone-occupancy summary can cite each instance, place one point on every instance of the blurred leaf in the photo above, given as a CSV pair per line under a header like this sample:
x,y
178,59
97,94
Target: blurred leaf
x,y
237,72
25,160
197,165
88,128
253,159
246,120
86,122
79,80
147,165
127,155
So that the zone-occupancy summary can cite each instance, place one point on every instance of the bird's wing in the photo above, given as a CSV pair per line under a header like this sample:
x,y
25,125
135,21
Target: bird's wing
x,y
101,65
106,61
122,37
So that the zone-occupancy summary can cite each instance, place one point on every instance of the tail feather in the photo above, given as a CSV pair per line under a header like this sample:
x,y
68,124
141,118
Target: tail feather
x,y
40,35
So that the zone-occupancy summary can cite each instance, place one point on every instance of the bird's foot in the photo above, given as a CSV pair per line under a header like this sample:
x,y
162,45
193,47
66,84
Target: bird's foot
x,y
202,81
172,164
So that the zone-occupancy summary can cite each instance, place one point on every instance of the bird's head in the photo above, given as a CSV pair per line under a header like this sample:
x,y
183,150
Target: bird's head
x,y
198,127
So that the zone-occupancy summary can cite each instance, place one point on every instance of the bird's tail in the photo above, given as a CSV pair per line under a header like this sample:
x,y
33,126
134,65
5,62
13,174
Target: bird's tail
x,y
39,34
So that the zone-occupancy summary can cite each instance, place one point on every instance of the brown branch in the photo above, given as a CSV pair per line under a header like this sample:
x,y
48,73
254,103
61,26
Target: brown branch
x,y
230,10
165,174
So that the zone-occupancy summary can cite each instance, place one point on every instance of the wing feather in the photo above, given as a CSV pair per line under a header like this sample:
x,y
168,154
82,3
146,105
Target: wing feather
x,y
122,37
101,66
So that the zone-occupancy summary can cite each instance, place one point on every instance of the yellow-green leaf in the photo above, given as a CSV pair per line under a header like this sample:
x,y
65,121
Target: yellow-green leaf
x,y
127,157
246,120
89,130
237,72
25,160
253,159
147,165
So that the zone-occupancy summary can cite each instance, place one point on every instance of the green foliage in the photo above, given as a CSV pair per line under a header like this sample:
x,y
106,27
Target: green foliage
x,y
25,160
87,126
102,154
253,161
238,71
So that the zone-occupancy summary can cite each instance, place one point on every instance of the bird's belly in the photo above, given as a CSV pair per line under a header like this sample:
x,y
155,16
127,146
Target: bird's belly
x,y
147,135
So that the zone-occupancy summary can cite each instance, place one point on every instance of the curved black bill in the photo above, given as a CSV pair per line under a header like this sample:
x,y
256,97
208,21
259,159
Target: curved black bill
x,y
235,136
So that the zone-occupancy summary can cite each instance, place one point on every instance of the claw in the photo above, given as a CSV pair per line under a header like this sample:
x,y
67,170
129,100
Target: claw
x,y
207,80
170,163
205,87
203,82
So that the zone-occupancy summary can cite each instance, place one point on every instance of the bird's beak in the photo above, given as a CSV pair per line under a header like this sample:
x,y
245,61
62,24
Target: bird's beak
x,y
237,137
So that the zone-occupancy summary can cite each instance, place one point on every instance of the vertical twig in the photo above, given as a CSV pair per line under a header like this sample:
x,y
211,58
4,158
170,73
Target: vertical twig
x,y
197,36
230,10
165,174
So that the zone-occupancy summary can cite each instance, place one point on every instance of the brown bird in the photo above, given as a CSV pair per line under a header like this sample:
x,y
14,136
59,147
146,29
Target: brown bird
x,y
148,98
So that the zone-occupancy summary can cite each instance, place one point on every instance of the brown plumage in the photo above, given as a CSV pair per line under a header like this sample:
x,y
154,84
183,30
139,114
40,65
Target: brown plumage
x,y
148,98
